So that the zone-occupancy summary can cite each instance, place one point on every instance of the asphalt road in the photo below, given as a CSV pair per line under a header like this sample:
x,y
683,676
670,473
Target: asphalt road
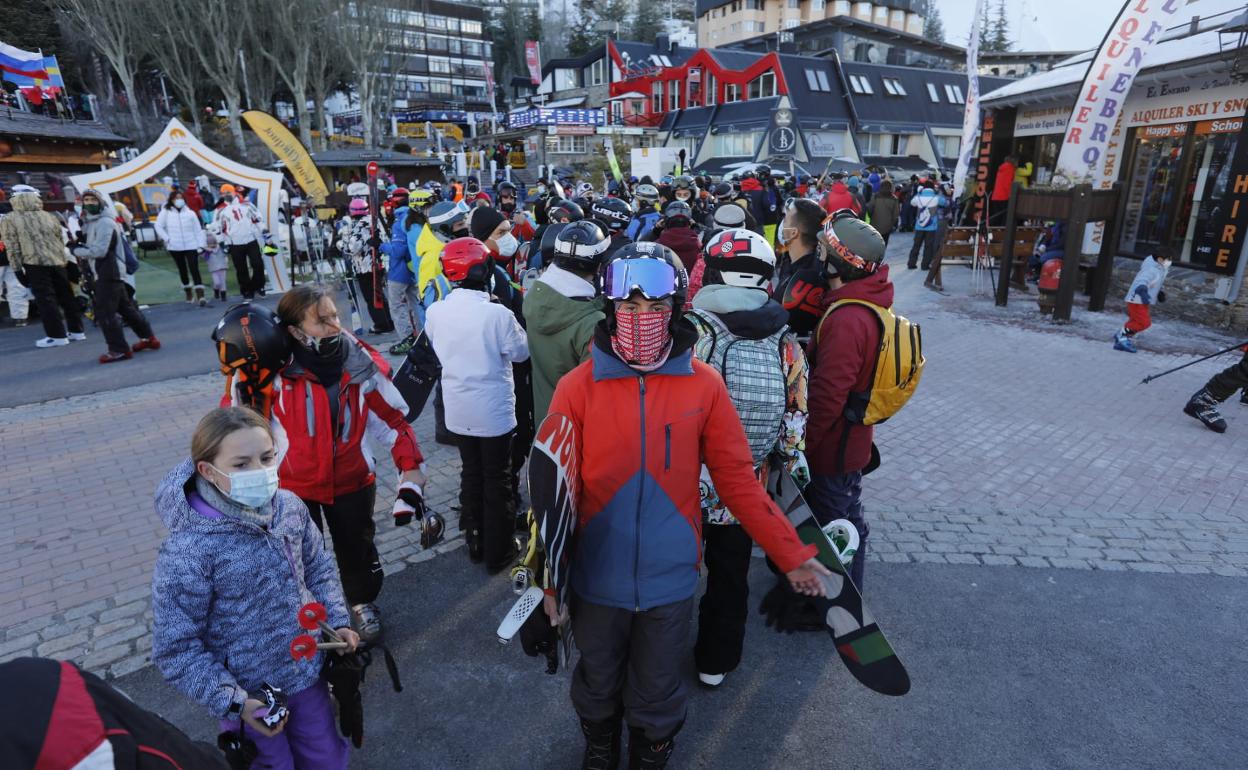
x,y
32,375
1012,668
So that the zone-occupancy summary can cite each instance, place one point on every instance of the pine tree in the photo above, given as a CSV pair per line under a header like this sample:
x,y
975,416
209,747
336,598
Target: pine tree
x,y
1000,36
648,23
617,12
933,27
584,34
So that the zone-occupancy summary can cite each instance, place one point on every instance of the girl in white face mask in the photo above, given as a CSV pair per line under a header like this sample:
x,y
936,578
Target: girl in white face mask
x,y
179,228
241,560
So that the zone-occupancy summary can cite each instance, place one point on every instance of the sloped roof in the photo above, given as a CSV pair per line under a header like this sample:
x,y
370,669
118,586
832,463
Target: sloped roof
x,y
358,156
18,123
916,108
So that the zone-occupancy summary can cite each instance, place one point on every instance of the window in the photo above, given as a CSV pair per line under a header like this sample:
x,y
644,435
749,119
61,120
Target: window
x,y
732,92
710,90
754,5
763,86
860,84
435,22
755,26
565,145
812,82
816,6
954,94
795,3
737,144
883,144
416,19
656,97
933,93
437,43
438,65
440,87
456,45
791,23
414,40
817,80
598,72
472,48
673,95
894,87
470,27
948,146
823,81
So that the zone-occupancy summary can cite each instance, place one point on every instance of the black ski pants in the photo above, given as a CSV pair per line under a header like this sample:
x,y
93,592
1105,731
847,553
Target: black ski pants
x,y
113,304
725,605
380,316
839,496
486,509
54,296
350,520
927,241
1224,383
249,268
632,663
188,267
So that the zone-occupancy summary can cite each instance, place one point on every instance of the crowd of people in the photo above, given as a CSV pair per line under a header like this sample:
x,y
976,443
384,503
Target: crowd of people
x,y
660,319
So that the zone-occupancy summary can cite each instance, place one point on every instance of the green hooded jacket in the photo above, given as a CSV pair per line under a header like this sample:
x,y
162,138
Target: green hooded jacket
x,y
560,331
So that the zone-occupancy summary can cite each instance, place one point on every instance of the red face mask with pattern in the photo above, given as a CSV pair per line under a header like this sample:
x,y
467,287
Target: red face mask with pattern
x,y
643,340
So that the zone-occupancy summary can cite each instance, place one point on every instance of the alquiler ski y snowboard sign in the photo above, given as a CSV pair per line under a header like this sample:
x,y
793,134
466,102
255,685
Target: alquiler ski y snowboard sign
x,y
859,641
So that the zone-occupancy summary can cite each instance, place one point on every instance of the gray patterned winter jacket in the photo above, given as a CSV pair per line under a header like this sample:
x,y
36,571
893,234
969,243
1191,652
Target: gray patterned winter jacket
x,y
226,595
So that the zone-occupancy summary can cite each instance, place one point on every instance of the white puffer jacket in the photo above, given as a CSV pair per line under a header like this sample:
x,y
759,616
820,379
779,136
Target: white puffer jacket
x,y
180,229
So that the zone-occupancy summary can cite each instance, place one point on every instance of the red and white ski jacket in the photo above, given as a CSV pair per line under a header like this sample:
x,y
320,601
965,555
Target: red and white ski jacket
x,y
239,224
320,461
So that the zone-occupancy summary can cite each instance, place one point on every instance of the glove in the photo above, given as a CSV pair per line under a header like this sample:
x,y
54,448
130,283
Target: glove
x,y
375,242
539,637
1161,296
410,503
788,611
344,673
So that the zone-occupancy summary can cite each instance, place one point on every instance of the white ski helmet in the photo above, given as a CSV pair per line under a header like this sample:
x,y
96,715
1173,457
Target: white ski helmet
x,y
742,257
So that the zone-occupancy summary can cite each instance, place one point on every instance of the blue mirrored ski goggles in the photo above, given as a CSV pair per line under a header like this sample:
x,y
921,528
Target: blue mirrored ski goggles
x,y
654,278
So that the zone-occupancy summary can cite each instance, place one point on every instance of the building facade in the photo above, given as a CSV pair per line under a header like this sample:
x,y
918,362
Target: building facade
x,y
1179,155
722,22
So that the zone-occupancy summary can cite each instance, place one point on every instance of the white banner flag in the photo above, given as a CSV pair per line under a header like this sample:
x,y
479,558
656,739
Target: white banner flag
x,y
970,118
1105,89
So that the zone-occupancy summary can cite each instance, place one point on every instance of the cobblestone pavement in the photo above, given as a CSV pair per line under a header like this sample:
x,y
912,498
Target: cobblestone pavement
x,y
1022,447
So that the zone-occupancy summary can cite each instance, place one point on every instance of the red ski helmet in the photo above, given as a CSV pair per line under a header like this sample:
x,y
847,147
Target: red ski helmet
x,y
467,260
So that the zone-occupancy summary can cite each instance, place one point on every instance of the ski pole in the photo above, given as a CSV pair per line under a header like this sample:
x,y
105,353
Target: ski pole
x,y
1152,377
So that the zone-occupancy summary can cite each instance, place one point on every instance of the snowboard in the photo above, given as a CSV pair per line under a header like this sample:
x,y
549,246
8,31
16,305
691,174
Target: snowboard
x,y
552,471
859,641
418,375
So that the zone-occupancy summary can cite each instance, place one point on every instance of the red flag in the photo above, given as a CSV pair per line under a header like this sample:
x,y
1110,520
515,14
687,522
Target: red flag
x,y
533,59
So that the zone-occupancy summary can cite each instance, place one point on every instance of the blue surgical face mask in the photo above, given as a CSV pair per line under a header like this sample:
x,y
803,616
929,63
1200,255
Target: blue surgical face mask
x,y
251,488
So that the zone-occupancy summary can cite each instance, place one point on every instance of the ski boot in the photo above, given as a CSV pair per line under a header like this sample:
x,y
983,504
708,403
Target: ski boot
x,y
1204,407
644,754
476,549
1243,394
432,530
602,744
1123,342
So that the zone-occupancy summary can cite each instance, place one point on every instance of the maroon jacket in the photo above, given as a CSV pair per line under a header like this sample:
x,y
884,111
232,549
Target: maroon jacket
x,y
842,355
685,242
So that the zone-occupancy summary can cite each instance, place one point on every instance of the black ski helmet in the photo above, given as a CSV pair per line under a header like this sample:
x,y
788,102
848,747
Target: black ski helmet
x,y
614,213
252,345
581,246
569,209
547,247
723,192
678,213
647,250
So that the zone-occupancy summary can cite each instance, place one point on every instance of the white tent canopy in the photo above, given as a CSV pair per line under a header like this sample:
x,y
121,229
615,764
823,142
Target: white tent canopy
x,y
178,141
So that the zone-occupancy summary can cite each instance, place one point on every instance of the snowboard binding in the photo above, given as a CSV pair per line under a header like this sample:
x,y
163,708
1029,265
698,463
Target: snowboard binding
x,y
844,538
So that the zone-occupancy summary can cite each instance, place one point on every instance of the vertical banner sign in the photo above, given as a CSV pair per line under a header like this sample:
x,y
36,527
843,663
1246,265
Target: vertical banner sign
x,y
982,167
533,59
1221,242
970,118
1105,88
609,146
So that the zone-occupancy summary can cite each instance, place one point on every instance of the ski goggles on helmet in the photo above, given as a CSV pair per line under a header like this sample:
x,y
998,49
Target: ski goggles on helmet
x,y
654,278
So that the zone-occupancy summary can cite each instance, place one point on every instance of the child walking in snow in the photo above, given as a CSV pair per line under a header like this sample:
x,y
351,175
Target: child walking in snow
x,y
240,561
1145,290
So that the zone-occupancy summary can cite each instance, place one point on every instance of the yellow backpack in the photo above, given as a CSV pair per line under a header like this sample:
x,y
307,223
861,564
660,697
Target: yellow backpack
x,y
897,369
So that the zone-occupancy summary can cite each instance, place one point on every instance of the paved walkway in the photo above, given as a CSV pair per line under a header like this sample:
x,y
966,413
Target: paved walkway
x,y
1023,447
